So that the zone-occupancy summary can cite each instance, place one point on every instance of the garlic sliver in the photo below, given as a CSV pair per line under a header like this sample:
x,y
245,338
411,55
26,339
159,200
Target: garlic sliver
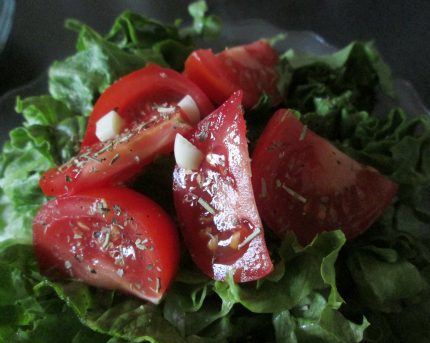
x,y
109,126
189,107
186,154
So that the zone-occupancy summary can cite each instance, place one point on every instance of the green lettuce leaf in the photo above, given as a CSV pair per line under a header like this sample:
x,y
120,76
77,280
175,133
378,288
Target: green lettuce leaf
x,y
302,288
315,321
208,27
333,92
128,318
30,312
50,136
300,271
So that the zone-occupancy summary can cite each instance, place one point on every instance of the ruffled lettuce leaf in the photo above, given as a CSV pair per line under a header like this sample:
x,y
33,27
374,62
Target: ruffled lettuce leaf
x,y
125,317
49,136
31,312
334,92
384,275
206,26
313,321
301,289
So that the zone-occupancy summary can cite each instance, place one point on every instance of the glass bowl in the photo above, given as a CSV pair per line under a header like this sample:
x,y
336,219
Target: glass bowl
x,y
7,9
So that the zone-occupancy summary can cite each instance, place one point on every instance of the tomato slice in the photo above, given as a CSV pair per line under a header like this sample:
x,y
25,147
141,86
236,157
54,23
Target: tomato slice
x,y
117,161
113,238
136,96
215,204
304,184
248,67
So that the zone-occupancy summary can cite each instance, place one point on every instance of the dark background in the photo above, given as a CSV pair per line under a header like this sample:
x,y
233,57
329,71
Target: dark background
x,y
400,29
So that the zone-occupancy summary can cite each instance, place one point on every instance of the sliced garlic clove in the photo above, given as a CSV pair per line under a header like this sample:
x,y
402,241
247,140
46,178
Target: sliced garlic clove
x,y
109,126
186,154
189,107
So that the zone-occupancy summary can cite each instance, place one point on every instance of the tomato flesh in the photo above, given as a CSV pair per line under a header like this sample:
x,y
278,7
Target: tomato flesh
x,y
304,184
250,68
215,204
136,96
116,161
113,238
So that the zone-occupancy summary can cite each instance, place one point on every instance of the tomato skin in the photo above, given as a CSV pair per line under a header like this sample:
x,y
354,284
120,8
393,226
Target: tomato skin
x,y
134,96
215,204
211,75
113,238
115,162
253,67
304,184
250,68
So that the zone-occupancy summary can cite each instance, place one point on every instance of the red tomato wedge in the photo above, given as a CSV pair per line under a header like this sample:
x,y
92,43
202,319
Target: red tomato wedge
x,y
250,68
215,204
113,238
304,184
117,161
136,97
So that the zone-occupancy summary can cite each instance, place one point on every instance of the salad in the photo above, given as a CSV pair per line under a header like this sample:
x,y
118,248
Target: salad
x,y
339,286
